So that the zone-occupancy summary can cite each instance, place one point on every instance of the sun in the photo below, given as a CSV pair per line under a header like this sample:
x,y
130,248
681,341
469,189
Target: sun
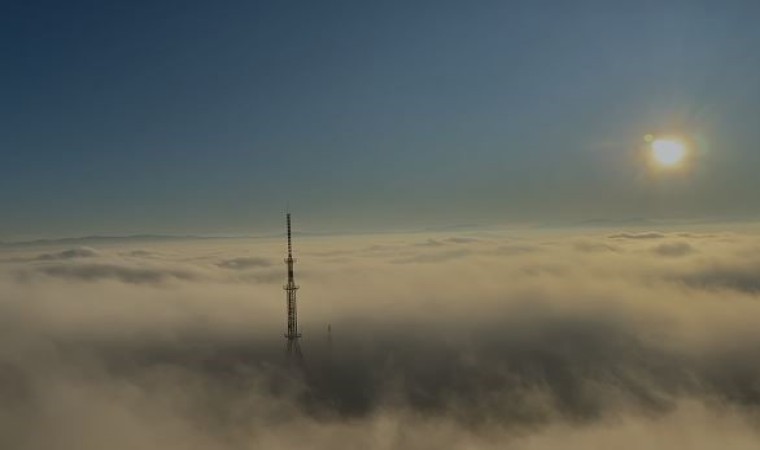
x,y
669,152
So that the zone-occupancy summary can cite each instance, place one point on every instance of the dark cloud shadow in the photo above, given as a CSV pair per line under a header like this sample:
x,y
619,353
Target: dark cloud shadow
x,y
433,257
674,249
105,271
245,263
74,253
722,277
638,236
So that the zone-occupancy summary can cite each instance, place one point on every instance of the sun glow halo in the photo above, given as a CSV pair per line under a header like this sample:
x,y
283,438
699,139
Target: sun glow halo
x,y
668,152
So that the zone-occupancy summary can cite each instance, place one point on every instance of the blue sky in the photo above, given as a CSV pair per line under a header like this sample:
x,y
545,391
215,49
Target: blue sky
x,y
210,117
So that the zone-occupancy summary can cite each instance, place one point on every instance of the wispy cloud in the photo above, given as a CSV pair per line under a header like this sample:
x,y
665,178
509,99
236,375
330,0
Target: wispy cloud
x,y
243,263
674,249
643,235
80,252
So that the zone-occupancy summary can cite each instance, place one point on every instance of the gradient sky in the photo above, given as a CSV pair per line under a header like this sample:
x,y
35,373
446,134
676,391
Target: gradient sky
x,y
209,117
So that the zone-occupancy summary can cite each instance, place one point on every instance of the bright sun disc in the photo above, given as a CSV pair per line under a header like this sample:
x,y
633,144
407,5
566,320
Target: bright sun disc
x,y
668,152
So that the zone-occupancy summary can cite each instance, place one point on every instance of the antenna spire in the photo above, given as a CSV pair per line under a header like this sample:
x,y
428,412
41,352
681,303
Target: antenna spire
x,y
290,239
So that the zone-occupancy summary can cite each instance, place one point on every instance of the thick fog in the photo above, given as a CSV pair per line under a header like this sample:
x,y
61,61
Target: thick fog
x,y
517,340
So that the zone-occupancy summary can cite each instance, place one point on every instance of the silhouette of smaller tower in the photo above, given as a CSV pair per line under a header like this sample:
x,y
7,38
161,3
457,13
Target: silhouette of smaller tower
x,y
329,342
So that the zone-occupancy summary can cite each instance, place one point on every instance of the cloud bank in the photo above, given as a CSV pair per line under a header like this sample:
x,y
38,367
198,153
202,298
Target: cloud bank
x,y
536,341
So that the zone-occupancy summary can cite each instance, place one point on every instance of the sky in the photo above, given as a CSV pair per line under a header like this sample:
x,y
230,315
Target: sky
x,y
548,284
189,117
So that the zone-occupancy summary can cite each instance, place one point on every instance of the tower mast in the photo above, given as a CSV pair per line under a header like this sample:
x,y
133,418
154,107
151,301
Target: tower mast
x,y
292,335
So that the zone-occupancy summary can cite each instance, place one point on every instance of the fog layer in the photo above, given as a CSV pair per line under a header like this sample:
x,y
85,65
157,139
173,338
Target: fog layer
x,y
612,339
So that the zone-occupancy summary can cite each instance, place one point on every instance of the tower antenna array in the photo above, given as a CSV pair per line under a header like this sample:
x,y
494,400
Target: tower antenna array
x,y
292,335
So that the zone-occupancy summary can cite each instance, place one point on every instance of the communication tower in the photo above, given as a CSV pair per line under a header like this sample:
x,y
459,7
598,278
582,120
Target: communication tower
x,y
292,335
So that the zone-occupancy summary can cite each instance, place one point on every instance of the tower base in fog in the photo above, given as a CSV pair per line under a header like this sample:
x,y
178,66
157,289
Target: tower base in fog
x,y
293,352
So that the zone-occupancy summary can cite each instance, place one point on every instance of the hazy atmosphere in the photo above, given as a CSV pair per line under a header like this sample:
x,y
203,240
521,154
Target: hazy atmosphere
x,y
517,225
477,340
